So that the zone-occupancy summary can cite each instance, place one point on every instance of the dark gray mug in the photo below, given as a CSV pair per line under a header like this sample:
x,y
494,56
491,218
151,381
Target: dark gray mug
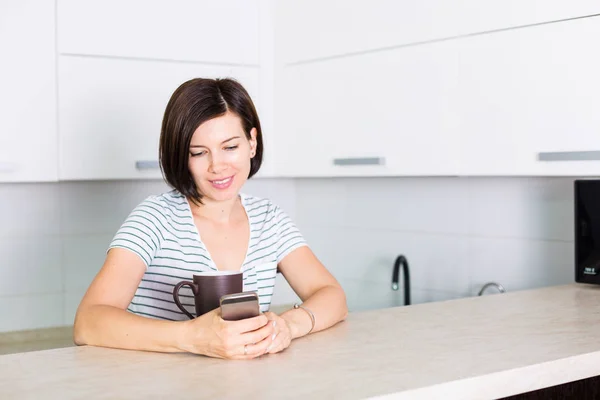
x,y
208,287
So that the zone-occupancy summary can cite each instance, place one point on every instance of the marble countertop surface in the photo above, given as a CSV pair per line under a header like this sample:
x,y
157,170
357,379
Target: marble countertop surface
x,y
472,348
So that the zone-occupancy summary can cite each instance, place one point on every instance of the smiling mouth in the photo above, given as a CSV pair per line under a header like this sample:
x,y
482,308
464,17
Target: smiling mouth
x,y
222,181
222,184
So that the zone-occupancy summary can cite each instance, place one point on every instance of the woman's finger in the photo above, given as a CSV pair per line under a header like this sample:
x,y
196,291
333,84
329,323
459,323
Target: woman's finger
x,y
253,350
271,316
248,324
256,336
276,344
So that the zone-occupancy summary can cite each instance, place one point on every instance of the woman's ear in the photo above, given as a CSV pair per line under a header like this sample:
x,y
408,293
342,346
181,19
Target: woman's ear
x,y
252,142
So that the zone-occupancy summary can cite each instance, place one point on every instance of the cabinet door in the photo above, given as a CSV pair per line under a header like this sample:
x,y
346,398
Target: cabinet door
x,y
28,149
316,29
387,113
224,31
528,95
110,112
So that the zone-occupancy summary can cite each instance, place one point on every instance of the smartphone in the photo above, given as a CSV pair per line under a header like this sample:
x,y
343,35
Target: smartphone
x,y
238,306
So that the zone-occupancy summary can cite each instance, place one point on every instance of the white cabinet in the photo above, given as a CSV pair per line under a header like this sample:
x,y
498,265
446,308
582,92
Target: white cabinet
x,y
28,137
120,61
529,92
432,88
512,87
316,29
110,112
366,89
392,109
224,31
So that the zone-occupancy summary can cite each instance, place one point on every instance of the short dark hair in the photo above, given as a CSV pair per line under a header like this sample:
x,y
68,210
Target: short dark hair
x,y
193,103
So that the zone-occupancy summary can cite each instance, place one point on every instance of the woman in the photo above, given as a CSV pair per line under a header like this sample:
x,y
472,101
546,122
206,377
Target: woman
x,y
210,144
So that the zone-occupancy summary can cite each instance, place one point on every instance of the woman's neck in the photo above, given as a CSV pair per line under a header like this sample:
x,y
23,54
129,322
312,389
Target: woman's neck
x,y
221,212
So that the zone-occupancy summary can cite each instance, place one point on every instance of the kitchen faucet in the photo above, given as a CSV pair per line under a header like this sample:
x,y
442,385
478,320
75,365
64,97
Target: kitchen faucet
x,y
402,261
494,284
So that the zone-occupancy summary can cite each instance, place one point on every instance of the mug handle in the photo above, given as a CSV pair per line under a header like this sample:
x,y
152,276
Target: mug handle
x,y
192,286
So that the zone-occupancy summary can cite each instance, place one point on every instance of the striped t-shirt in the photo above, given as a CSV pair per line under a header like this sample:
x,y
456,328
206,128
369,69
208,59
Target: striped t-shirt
x,y
161,231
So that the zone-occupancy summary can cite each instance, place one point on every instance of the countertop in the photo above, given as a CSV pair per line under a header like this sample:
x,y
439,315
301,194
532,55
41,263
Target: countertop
x,y
478,347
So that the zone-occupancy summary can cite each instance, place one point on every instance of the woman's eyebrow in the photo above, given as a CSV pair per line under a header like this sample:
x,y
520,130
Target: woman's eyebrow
x,y
231,138
224,141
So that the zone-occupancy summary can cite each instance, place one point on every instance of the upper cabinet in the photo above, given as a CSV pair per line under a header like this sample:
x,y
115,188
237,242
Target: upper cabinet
x,y
387,113
317,30
28,135
490,87
120,62
225,31
343,88
529,100
111,112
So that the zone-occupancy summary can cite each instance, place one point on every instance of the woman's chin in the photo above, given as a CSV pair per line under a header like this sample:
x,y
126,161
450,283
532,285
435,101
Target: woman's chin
x,y
221,195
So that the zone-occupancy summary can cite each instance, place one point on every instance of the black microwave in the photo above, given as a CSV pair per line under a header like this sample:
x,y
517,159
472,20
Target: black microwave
x,y
587,231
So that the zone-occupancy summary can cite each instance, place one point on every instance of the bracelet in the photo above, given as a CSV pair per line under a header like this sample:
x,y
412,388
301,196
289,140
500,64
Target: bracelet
x,y
310,314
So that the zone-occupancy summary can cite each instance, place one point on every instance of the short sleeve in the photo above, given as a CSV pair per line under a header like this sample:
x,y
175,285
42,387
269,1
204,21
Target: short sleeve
x,y
140,232
289,237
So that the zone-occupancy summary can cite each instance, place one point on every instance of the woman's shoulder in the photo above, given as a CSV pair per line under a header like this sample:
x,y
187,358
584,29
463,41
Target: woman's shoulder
x,y
261,208
257,207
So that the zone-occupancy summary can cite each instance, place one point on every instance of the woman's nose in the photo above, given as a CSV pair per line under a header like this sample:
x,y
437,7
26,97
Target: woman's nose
x,y
217,164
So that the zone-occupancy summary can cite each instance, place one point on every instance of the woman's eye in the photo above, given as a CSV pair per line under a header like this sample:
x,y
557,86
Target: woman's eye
x,y
231,147
198,154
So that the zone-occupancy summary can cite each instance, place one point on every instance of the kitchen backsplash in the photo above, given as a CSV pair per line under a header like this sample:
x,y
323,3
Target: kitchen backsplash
x,y
457,233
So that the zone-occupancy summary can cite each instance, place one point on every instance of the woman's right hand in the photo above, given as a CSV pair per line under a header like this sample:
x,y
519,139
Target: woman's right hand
x,y
212,336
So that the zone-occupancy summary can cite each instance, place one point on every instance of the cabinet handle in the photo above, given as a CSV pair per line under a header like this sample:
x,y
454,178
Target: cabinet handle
x,y
146,164
359,161
8,167
569,156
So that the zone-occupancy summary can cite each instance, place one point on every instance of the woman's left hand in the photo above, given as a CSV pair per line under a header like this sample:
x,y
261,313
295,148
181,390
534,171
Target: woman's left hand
x,y
282,336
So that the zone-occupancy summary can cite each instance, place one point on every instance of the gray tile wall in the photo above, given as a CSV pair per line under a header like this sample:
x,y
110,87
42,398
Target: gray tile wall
x,y
457,233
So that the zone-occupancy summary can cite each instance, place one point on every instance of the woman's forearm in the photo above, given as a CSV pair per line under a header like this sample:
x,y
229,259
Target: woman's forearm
x,y
107,326
328,305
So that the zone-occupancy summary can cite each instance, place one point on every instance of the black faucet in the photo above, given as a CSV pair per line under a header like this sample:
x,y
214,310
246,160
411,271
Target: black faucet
x,y
401,260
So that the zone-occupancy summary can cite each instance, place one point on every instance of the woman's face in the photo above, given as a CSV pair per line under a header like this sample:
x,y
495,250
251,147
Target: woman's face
x,y
220,157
